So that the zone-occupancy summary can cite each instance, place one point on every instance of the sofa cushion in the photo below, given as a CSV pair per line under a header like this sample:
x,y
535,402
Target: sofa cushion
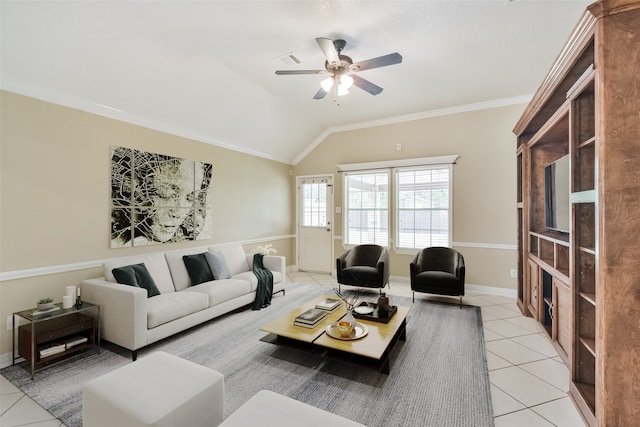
x,y
179,273
198,268
136,275
235,257
219,291
218,265
155,263
167,307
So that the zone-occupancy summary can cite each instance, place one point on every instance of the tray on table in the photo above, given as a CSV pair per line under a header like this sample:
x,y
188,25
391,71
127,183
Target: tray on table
x,y
373,316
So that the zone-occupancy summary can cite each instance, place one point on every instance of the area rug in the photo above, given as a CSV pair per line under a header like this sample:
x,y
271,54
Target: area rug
x,y
438,377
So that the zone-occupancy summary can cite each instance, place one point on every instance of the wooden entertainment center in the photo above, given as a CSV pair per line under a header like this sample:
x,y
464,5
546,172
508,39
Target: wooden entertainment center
x,y
583,286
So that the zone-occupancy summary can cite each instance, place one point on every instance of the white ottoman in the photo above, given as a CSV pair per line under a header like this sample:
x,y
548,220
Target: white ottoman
x,y
159,390
269,409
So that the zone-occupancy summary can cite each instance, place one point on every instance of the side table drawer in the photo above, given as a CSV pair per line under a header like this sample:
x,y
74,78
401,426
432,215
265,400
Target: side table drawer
x,y
63,332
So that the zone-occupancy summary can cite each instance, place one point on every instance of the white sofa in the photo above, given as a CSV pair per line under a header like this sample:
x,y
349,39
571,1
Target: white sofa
x,y
131,320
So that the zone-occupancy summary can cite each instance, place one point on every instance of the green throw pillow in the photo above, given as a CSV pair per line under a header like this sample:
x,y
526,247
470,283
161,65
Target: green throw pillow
x,y
198,268
136,275
218,265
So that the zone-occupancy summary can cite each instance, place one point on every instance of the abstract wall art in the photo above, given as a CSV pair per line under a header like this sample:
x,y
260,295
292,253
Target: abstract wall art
x,y
157,198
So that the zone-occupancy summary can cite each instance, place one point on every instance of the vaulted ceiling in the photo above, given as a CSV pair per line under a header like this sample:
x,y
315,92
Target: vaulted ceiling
x,y
206,69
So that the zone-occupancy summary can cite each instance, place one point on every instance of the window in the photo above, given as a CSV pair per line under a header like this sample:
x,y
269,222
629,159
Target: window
x,y
367,212
423,215
407,202
314,195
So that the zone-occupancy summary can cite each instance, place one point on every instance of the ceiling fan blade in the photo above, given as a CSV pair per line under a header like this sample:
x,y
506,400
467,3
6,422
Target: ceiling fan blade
x,y
328,49
366,85
381,61
320,94
290,72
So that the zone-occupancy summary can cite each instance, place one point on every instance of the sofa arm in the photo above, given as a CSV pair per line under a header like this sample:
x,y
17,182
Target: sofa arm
x,y
123,311
273,263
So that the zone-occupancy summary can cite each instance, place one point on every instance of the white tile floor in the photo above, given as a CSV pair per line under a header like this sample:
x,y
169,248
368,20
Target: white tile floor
x,y
529,382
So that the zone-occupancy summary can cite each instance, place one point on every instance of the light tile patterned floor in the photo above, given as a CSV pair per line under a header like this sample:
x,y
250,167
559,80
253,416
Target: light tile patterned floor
x,y
529,382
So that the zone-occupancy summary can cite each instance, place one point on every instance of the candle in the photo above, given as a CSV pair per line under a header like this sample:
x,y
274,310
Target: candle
x,y
71,291
67,301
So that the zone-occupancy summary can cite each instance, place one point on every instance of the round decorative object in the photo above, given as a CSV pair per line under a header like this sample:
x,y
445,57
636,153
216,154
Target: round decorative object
x,y
363,309
45,306
344,328
358,331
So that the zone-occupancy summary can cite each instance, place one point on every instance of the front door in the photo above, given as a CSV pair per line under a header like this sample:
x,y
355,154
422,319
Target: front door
x,y
315,232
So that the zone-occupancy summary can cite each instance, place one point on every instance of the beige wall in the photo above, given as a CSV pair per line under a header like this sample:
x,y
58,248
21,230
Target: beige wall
x,y
484,181
55,196
55,191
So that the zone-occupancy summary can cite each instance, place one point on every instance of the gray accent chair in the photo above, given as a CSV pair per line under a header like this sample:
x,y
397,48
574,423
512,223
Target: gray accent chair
x,y
438,270
364,266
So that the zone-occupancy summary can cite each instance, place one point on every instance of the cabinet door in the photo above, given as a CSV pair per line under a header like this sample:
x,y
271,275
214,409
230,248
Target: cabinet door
x,y
533,272
562,316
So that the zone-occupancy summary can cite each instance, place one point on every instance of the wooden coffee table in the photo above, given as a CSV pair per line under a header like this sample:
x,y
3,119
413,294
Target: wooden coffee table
x,y
371,351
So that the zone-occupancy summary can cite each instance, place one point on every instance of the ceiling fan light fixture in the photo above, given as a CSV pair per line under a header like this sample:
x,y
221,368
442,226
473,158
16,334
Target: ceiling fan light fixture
x,y
342,90
346,81
327,84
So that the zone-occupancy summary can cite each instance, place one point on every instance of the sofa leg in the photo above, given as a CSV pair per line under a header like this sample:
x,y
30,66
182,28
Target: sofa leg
x,y
134,355
413,294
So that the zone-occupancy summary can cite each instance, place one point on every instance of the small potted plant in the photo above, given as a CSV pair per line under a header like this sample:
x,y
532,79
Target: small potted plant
x,y
45,303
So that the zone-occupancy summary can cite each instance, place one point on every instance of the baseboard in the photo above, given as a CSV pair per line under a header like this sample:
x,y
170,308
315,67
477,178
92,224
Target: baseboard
x,y
480,289
5,360
492,290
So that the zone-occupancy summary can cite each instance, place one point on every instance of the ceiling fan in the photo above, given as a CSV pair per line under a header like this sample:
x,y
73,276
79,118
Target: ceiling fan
x,y
341,69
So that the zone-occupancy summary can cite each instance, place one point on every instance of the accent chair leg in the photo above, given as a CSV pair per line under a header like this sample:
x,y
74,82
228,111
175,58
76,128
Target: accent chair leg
x,y
460,301
414,295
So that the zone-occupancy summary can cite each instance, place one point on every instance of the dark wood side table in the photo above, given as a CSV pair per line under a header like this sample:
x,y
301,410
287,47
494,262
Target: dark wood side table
x,y
54,336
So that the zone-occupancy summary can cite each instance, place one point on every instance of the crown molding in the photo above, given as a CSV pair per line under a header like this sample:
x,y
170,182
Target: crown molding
x,y
496,103
66,100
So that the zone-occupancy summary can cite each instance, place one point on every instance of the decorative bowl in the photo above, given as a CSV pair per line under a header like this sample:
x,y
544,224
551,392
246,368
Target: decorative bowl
x,y
45,306
344,328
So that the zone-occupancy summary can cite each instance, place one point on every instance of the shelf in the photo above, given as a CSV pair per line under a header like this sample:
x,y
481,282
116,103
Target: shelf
x,y
589,297
556,129
585,79
588,392
73,350
590,251
587,196
587,142
589,344
551,248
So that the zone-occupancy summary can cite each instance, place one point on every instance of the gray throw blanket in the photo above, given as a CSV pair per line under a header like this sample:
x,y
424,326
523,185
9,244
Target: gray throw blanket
x,y
265,283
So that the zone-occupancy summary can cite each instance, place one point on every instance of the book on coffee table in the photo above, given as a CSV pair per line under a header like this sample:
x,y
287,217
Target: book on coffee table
x,y
328,304
310,318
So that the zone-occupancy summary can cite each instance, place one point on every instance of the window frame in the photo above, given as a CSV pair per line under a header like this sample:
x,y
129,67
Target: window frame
x,y
397,210
314,181
346,210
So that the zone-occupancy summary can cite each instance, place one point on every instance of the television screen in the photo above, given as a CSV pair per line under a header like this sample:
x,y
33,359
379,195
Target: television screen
x,y
557,191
